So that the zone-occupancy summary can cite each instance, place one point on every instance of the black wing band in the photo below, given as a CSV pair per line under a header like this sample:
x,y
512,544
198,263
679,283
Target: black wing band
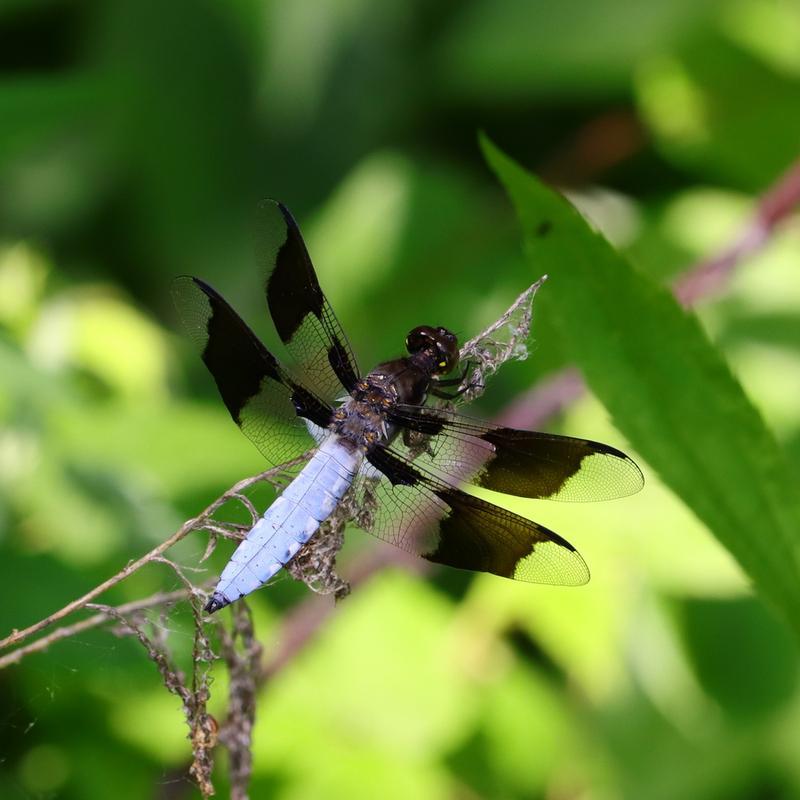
x,y
261,398
302,315
523,463
416,511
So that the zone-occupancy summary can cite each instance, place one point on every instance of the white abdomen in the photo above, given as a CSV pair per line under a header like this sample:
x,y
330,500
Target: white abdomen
x,y
289,522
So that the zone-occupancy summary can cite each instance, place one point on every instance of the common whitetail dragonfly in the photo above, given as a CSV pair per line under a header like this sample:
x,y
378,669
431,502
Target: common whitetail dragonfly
x,y
368,441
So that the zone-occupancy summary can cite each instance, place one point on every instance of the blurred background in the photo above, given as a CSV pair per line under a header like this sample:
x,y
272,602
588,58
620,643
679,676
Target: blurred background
x,y
135,139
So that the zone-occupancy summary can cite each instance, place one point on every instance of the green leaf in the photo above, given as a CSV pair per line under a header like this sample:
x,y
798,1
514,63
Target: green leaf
x,y
744,659
667,388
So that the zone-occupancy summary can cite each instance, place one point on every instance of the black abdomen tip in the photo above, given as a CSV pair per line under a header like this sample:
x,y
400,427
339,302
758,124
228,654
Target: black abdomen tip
x,y
216,602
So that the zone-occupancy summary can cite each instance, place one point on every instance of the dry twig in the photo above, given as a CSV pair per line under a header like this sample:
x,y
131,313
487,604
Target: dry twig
x,y
200,521
202,726
161,599
242,653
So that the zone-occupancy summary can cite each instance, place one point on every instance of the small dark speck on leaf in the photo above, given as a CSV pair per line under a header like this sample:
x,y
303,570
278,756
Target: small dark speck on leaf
x,y
544,227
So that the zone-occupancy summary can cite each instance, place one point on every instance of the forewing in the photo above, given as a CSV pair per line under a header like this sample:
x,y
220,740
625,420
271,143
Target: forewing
x,y
302,315
523,463
414,510
261,398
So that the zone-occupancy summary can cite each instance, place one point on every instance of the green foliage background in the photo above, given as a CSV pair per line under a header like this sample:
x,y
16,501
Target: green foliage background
x,y
135,139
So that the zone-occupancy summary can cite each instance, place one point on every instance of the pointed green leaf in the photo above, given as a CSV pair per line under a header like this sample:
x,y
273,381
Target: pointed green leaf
x,y
668,389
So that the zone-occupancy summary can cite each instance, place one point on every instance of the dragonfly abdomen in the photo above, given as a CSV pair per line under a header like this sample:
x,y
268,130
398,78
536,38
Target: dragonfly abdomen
x,y
289,522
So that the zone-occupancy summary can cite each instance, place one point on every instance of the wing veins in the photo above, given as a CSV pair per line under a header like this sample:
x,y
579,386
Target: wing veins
x,y
524,463
470,532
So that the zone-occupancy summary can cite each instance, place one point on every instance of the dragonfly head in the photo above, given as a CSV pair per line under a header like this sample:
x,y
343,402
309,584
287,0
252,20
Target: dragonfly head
x,y
438,343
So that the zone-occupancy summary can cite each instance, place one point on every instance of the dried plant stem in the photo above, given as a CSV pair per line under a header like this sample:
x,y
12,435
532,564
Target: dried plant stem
x,y
17,636
242,653
160,599
710,275
194,698
235,492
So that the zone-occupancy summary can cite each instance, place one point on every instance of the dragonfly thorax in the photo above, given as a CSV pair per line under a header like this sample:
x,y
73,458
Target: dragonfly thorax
x,y
361,423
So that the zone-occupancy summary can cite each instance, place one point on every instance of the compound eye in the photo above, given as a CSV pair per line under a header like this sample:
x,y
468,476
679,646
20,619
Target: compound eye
x,y
418,338
448,353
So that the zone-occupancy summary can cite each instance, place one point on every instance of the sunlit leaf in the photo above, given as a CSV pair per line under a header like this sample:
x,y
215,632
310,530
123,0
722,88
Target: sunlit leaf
x,y
709,105
667,388
394,632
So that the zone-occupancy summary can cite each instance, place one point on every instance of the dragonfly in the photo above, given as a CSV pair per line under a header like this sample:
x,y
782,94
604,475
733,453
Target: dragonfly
x,y
380,438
